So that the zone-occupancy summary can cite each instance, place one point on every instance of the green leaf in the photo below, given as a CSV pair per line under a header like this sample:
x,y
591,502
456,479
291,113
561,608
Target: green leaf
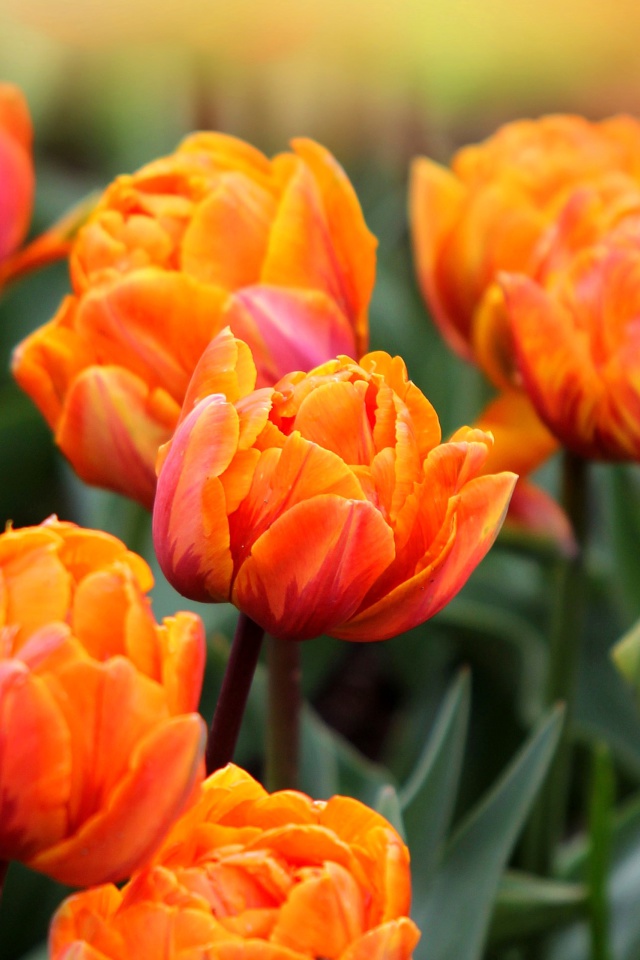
x,y
527,905
456,913
626,656
427,799
388,805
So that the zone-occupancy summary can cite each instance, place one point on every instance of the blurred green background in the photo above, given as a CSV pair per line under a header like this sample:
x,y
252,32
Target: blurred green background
x,y
113,85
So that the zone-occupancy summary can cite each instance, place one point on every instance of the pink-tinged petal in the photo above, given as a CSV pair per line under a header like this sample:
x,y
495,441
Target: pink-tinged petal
x,y
354,244
392,941
111,429
35,764
153,323
190,525
482,504
17,180
300,251
323,577
534,512
288,329
142,807
227,237
226,366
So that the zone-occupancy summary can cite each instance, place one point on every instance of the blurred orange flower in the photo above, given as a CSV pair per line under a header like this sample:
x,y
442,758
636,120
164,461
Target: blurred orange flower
x,y
576,332
246,875
524,202
17,180
99,745
326,504
213,235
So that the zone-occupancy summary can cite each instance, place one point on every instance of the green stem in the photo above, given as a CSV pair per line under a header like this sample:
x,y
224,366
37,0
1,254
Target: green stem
x,y
4,866
601,800
283,726
548,820
232,701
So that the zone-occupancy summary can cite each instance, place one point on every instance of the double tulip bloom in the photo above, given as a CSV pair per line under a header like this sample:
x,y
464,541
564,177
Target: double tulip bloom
x,y
526,252
213,235
100,747
245,875
326,504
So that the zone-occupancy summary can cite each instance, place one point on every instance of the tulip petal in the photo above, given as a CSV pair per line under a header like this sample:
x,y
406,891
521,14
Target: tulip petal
x,y
111,429
288,329
392,941
35,764
323,578
237,207
110,845
153,323
522,443
481,508
17,180
190,525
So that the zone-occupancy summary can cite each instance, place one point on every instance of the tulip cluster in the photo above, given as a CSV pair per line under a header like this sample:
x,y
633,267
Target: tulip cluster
x,y
527,254
97,706
394,521
245,875
213,235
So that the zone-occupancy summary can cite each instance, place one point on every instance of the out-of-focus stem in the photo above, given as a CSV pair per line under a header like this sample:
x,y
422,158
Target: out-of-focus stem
x,y
236,684
4,866
548,819
283,723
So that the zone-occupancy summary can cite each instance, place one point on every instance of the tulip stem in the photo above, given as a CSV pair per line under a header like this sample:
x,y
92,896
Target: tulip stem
x,y
283,726
234,692
549,817
4,866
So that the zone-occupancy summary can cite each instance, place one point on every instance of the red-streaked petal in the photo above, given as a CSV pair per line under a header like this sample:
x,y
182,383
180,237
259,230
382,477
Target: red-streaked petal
x,y
481,508
322,577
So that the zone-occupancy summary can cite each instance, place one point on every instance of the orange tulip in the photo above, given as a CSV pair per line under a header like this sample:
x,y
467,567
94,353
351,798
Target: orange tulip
x,y
576,338
498,212
246,875
17,181
490,212
326,504
100,747
214,235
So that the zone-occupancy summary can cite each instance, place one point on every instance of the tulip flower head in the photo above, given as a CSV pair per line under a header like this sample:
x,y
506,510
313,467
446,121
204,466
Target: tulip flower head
x,y
213,235
245,874
100,747
17,181
325,504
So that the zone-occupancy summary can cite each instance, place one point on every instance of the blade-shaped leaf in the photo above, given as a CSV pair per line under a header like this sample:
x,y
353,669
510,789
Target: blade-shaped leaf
x,y
388,804
428,797
456,912
528,905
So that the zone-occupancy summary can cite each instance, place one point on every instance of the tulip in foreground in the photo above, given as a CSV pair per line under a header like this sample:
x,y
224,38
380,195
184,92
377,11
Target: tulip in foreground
x,y
326,504
213,235
100,747
247,875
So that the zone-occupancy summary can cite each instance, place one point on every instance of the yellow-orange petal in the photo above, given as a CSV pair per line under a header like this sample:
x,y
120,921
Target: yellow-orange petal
x,y
395,940
481,508
521,441
161,775
322,579
111,428
226,367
